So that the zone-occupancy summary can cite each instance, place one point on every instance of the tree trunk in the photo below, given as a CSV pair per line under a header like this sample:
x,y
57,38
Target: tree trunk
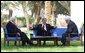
x,y
25,12
53,15
10,13
48,11
37,12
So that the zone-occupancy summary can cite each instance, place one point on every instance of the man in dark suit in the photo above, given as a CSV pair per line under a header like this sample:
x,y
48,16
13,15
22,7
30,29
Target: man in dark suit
x,y
12,28
71,28
43,29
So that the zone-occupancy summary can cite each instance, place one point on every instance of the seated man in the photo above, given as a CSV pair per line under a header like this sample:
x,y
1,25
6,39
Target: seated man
x,y
43,29
12,28
71,28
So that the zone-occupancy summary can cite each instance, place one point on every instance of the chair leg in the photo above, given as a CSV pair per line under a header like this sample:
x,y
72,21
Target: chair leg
x,y
8,43
4,42
81,40
68,40
68,43
15,43
39,42
19,42
44,43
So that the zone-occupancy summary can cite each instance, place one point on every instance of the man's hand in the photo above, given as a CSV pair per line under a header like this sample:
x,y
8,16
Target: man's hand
x,y
18,34
30,26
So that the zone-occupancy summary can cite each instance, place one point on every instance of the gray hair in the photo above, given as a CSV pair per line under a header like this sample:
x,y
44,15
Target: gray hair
x,y
12,19
67,18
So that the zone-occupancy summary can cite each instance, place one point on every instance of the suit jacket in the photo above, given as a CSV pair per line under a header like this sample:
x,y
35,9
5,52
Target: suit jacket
x,y
71,28
40,31
12,28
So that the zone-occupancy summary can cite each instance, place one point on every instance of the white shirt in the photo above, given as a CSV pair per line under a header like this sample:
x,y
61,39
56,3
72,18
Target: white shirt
x,y
44,27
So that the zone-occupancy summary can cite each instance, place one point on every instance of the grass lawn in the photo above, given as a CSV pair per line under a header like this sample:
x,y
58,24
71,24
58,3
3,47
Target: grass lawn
x,y
49,47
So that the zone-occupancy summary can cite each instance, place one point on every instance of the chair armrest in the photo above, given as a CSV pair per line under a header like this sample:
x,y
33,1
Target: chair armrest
x,y
16,35
10,33
75,33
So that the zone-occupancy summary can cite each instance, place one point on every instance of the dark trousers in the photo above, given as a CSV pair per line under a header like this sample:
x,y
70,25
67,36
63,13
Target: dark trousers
x,y
63,39
24,38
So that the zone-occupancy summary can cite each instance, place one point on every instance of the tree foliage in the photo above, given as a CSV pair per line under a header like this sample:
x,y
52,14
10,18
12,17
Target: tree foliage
x,y
62,7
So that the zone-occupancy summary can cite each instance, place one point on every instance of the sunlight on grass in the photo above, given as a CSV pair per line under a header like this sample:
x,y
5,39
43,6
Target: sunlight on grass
x,y
49,47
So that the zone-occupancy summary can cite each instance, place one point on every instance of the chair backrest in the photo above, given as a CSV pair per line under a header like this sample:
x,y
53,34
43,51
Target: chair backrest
x,y
34,33
5,32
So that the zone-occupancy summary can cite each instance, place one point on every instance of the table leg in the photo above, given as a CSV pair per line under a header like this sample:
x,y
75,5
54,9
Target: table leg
x,y
55,42
39,42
